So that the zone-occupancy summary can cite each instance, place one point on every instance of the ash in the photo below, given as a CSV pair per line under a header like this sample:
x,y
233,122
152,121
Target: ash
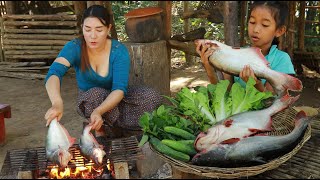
x,y
164,172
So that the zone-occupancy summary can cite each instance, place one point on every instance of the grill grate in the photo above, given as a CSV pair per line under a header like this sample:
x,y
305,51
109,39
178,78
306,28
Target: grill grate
x,y
30,159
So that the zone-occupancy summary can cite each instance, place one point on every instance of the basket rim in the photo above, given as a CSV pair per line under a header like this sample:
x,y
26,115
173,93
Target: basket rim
x,y
219,172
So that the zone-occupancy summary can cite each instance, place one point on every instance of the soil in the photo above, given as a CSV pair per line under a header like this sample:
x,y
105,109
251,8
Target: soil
x,y
29,102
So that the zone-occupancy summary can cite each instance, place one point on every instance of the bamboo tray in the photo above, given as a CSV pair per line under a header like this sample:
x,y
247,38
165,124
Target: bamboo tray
x,y
283,123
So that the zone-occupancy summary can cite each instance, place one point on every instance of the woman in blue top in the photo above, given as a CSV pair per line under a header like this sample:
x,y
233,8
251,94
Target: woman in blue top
x,y
102,68
266,25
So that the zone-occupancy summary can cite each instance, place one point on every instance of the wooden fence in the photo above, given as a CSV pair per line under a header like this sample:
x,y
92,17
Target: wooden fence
x,y
36,37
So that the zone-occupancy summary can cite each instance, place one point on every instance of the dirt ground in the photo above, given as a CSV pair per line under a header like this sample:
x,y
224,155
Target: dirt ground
x,y
29,102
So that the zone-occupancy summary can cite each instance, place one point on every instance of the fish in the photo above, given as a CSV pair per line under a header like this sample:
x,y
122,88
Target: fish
x,y
242,125
254,150
58,142
232,60
90,147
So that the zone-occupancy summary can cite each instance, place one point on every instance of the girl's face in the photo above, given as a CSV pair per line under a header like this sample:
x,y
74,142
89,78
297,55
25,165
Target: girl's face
x,y
262,28
95,33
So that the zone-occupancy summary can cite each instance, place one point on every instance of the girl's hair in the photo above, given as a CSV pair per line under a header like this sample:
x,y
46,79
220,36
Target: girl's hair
x,y
279,11
99,12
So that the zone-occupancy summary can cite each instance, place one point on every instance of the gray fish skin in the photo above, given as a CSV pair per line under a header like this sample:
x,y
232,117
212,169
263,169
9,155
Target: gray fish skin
x,y
254,149
58,142
242,125
232,61
90,147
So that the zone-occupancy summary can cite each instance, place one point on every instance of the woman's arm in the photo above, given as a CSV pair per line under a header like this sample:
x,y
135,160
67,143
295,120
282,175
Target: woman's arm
x,y
108,104
53,89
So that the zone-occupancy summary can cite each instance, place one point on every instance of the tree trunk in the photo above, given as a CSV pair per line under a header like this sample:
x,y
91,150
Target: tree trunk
x,y
231,23
79,7
108,6
189,58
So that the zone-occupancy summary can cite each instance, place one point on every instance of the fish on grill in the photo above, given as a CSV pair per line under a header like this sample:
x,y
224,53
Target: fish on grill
x,y
254,150
58,142
90,147
232,61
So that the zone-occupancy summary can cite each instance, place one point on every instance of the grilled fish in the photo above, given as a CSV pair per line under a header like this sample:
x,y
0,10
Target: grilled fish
x,y
58,143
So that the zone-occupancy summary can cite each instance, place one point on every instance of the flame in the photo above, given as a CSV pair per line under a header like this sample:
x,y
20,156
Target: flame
x,y
85,172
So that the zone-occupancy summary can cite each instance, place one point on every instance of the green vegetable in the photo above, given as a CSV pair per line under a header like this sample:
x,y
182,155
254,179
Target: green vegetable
x,y
179,132
179,146
188,142
162,148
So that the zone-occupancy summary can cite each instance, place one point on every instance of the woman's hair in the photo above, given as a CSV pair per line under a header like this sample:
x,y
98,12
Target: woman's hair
x,y
101,13
279,11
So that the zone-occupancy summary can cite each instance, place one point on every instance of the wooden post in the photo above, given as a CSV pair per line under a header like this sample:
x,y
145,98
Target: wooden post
x,y
189,58
291,29
243,21
166,34
108,6
149,65
79,7
230,21
10,7
1,35
301,25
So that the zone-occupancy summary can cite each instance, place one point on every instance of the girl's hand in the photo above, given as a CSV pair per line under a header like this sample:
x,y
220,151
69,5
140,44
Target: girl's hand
x,y
248,72
204,53
56,111
96,120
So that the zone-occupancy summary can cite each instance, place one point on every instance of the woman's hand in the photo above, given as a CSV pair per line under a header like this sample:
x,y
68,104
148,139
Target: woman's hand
x,y
96,120
56,111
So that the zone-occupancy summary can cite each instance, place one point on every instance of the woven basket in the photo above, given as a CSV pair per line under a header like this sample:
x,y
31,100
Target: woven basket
x,y
283,123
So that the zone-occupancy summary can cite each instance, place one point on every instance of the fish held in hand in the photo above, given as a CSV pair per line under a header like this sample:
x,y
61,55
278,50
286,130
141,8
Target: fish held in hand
x,y
242,125
90,147
58,143
232,61
254,150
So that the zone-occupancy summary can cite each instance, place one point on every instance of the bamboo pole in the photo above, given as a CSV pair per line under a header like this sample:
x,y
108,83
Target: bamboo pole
x,y
39,36
31,52
33,42
40,23
41,17
10,47
1,34
43,31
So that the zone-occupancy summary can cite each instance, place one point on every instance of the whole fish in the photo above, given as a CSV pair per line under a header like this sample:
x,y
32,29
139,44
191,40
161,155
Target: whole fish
x,y
58,143
253,150
232,61
238,126
90,147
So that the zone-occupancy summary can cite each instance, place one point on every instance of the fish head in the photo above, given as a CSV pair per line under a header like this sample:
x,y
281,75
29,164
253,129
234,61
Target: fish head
x,y
97,155
61,157
206,139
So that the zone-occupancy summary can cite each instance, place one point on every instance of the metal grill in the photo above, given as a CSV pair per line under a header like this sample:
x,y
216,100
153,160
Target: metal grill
x,y
31,159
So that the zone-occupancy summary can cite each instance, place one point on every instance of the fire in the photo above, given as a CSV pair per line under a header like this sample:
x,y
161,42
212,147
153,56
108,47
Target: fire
x,y
84,172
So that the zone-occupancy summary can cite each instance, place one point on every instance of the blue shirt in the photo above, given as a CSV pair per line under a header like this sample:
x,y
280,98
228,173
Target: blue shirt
x,y
119,67
279,61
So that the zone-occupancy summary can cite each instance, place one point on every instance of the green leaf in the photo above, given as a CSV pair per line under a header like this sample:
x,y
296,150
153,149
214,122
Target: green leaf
x,y
143,140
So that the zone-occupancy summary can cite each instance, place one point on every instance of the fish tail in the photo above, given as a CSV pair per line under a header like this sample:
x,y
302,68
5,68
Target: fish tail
x,y
289,83
283,102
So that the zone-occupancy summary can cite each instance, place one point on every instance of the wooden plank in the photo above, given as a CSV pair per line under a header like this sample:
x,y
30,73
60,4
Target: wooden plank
x,y
30,57
121,170
30,76
33,42
40,23
31,52
40,17
40,36
10,47
42,31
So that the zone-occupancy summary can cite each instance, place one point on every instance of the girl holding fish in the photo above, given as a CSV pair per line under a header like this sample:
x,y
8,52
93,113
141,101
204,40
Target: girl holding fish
x,y
266,24
102,69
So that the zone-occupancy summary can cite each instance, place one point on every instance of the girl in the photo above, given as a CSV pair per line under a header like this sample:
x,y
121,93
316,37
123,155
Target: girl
x,y
102,69
266,24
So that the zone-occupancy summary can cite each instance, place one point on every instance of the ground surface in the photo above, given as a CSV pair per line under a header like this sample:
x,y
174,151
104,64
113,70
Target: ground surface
x,y
29,102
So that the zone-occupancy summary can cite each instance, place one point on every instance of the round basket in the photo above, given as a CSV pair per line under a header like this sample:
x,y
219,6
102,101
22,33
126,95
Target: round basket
x,y
283,123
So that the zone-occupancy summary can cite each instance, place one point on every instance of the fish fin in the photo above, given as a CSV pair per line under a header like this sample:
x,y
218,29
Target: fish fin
x,y
228,122
259,53
230,141
260,160
301,114
71,139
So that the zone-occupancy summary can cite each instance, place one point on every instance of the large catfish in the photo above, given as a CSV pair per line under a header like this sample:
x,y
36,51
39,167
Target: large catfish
x,y
58,143
232,61
90,147
253,150
238,126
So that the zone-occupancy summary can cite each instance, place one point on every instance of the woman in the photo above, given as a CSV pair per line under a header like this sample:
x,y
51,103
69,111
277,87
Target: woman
x,y
102,69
